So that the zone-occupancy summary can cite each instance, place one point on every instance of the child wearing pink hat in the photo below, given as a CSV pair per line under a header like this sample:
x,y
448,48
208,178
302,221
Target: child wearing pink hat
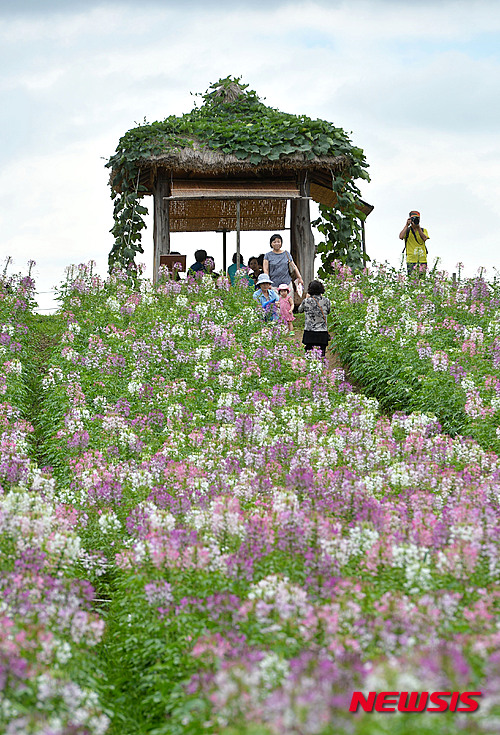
x,y
285,305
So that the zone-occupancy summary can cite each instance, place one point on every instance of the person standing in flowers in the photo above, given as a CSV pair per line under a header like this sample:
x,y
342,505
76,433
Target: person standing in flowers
x,y
316,307
267,298
233,269
198,266
210,267
285,307
254,269
415,243
240,274
278,265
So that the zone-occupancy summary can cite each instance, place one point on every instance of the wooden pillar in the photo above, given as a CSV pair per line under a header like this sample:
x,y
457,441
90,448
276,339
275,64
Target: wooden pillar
x,y
303,249
238,225
224,251
363,242
161,227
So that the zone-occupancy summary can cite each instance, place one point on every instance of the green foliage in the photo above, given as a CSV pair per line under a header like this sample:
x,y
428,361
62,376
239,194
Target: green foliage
x,y
129,222
342,230
393,332
43,334
232,120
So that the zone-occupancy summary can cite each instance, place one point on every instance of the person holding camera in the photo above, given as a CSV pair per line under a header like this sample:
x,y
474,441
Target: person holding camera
x,y
415,238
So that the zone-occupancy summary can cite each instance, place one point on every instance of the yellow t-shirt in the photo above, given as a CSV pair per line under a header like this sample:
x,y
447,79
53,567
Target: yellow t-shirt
x,y
416,252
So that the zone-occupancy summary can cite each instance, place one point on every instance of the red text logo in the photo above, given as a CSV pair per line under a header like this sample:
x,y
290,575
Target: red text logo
x,y
415,701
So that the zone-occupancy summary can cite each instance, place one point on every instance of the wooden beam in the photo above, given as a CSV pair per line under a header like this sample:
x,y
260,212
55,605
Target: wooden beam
x,y
161,228
231,197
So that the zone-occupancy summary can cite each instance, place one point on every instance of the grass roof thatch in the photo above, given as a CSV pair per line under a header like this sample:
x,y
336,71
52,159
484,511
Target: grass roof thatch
x,y
233,133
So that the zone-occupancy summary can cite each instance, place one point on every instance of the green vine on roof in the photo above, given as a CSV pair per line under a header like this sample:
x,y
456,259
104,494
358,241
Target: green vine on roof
x,y
342,230
232,120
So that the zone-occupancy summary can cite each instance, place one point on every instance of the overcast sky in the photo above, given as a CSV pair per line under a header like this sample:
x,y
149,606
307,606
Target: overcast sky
x,y
415,84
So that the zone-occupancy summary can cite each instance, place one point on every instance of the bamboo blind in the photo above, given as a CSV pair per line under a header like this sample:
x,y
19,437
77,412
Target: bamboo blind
x,y
200,206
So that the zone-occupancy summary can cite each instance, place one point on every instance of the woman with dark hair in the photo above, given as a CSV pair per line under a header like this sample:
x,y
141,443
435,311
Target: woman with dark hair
x,y
316,307
210,267
254,269
278,265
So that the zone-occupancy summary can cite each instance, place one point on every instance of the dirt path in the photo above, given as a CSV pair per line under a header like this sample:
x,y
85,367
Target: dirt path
x,y
332,358
333,361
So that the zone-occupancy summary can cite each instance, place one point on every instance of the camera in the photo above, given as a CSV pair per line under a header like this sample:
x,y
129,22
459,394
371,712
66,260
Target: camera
x,y
415,220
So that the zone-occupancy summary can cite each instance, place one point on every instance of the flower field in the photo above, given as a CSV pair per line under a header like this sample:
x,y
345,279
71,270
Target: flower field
x,y
201,531
431,344
47,624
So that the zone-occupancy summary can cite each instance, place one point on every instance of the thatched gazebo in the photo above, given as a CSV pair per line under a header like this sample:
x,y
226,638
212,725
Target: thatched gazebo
x,y
232,165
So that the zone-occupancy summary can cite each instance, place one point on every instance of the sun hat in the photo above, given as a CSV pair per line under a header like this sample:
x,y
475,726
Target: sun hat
x,y
283,287
263,278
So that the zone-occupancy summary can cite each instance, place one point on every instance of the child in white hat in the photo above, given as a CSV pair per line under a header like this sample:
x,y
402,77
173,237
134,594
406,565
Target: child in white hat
x,y
267,297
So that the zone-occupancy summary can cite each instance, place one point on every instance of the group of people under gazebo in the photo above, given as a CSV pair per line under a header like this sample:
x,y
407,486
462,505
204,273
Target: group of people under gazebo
x,y
273,277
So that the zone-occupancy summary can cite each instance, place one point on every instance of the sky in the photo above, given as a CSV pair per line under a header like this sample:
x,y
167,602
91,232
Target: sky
x,y
415,84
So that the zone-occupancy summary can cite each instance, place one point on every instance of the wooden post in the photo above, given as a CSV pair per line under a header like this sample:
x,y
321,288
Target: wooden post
x,y
224,251
161,227
363,242
302,247
238,224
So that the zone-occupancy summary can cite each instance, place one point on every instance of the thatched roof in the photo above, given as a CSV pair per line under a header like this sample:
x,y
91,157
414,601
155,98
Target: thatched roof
x,y
235,142
200,161
233,134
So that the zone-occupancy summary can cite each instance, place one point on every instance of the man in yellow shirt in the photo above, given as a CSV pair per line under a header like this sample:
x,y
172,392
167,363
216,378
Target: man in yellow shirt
x,y
415,238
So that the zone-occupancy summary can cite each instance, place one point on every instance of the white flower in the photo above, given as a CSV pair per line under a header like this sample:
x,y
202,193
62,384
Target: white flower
x,y
13,366
226,381
63,652
109,522
273,670
134,387
8,329
72,356
113,304
342,548
202,309
203,353
411,558
225,400
54,375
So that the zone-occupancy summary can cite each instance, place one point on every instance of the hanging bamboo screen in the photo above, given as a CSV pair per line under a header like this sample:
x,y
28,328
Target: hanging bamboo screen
x,y
200,206
324,194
